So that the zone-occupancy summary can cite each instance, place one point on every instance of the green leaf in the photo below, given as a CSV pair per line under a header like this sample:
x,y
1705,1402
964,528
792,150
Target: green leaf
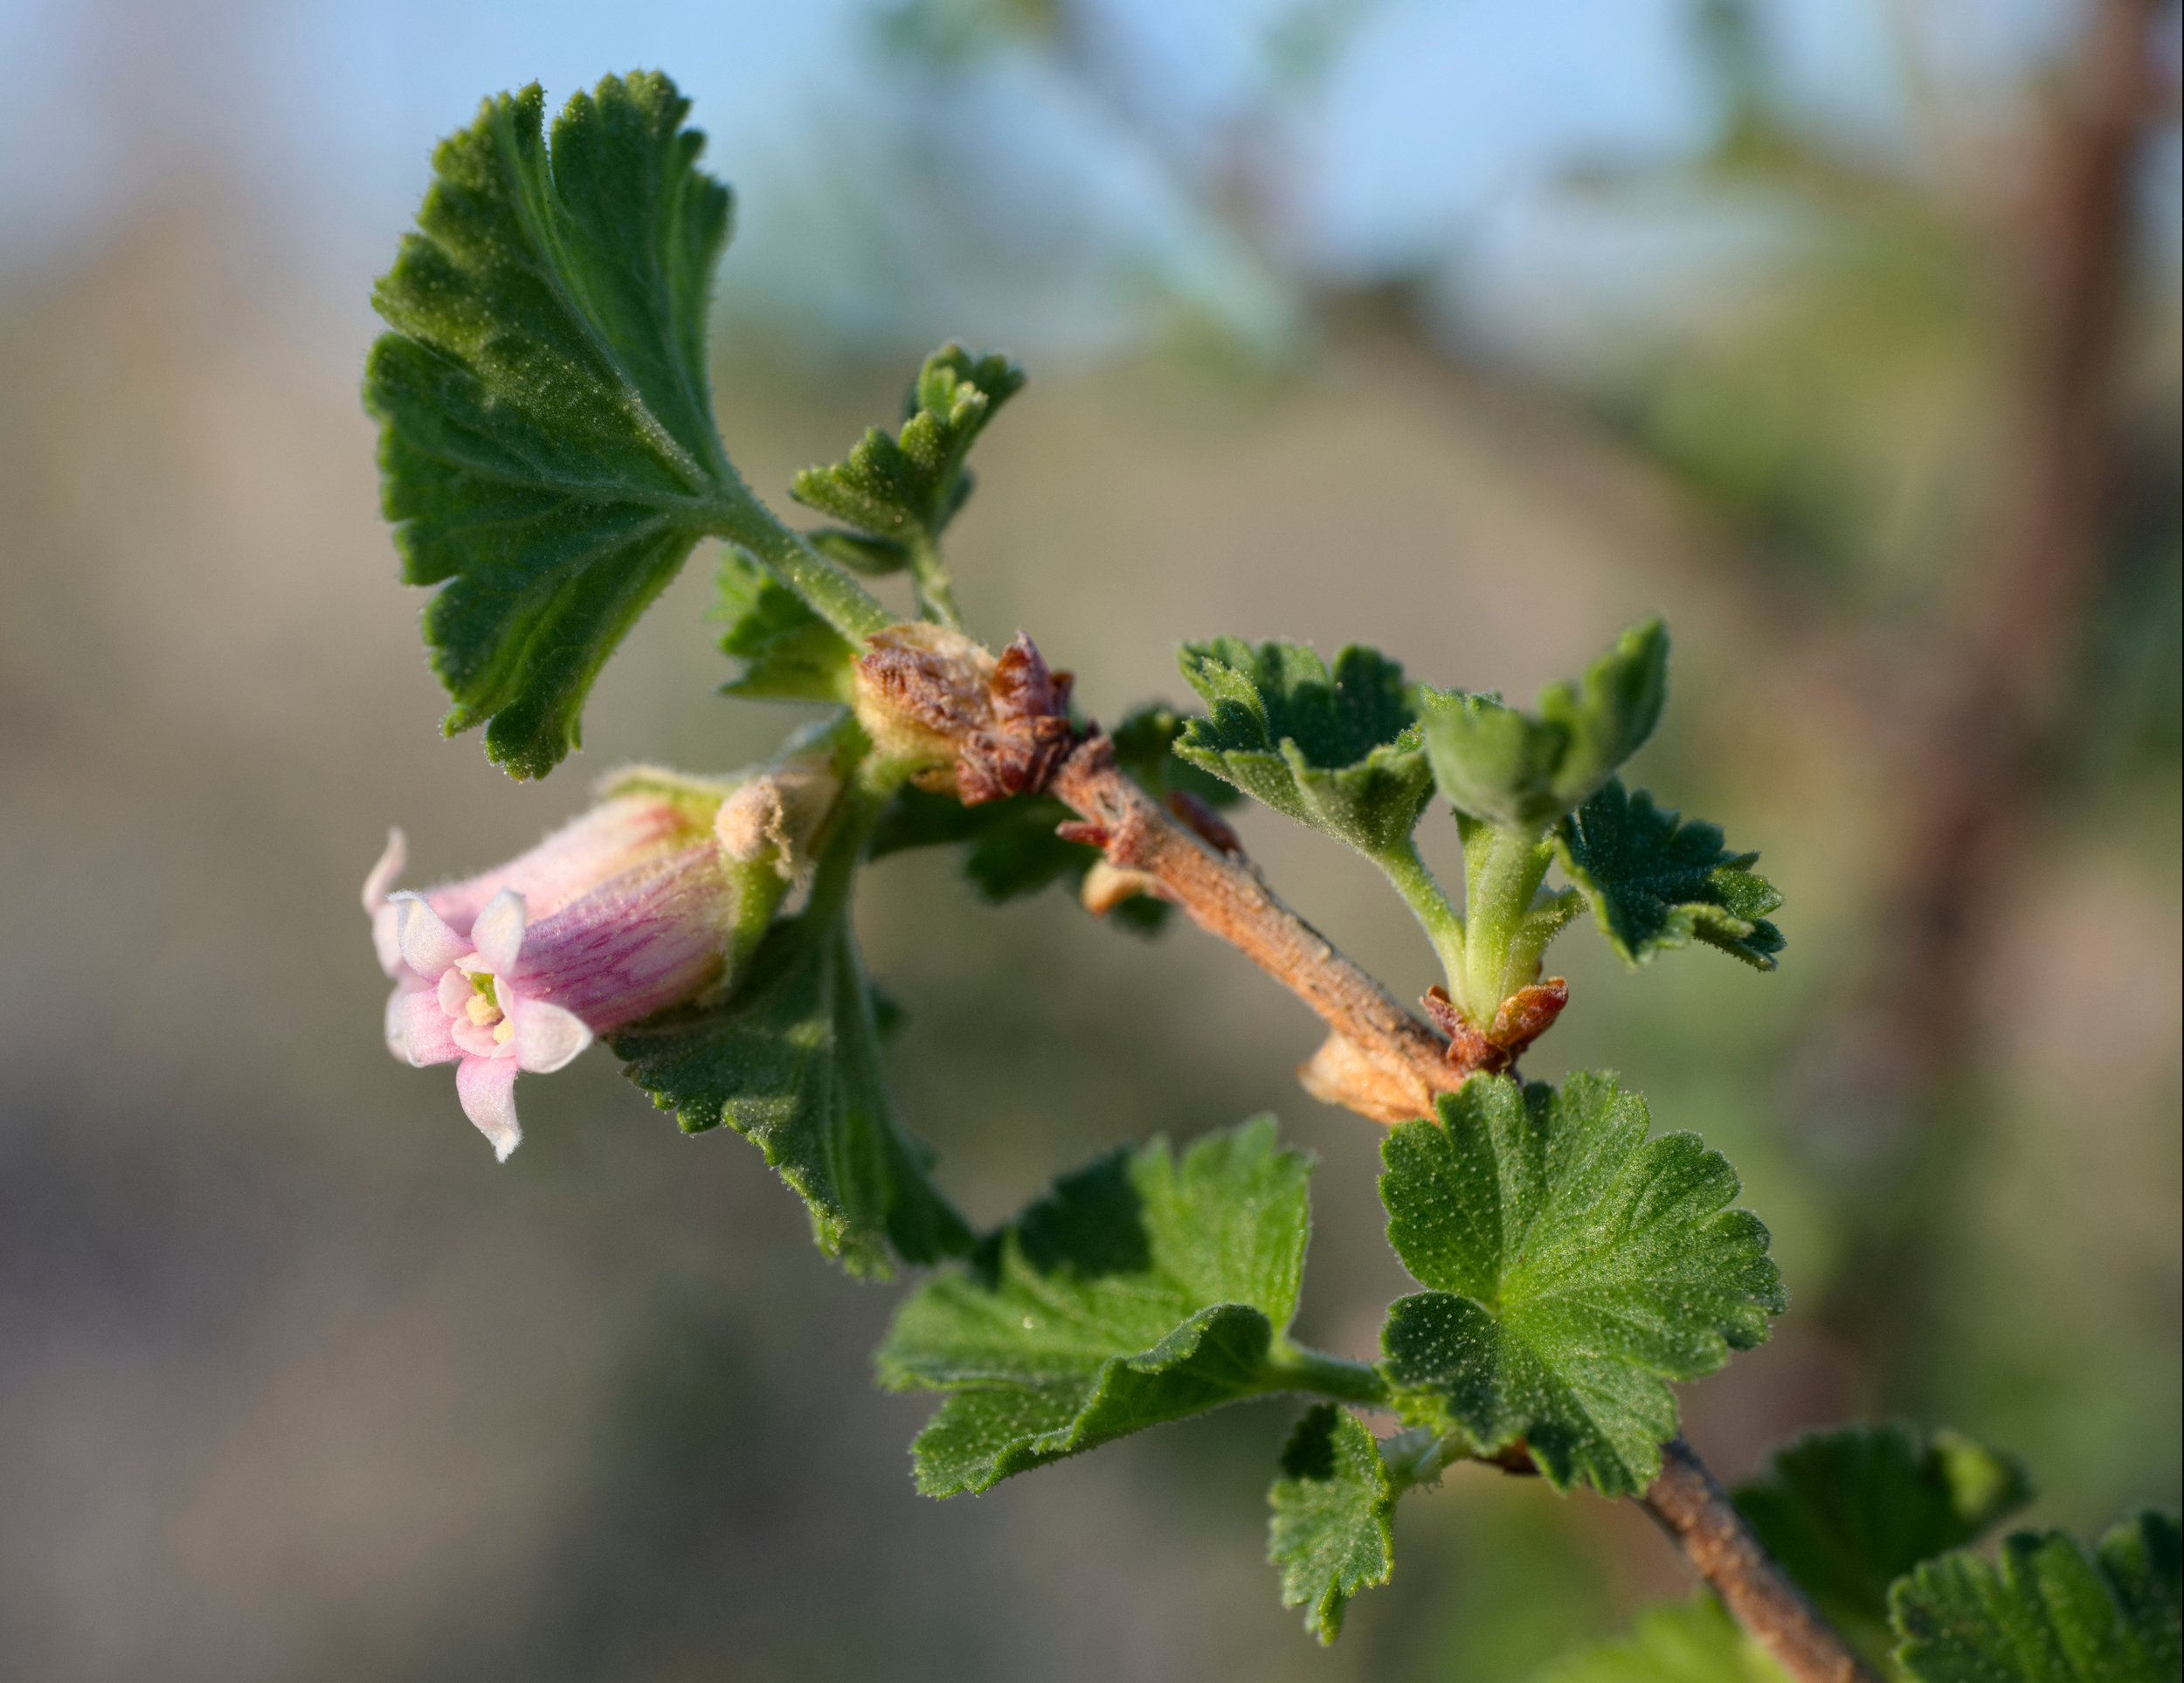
x,y
1141,1289
1577,1267
906,490
1340,751
1849,1511
1693,1641
546,439
1525,771
789,652
2048,1613
1333,1530
1655,882
791,1060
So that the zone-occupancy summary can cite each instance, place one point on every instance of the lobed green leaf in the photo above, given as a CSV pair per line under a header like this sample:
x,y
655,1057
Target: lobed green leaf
x,y
547,448
1525,771
1337,750
1141,1288
2046,1611
1332,1532
1655,882
1849,1511
791,1060
1576,1267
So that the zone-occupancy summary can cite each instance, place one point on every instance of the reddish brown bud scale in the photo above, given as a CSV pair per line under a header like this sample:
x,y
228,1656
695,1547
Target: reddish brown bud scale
x,y
1521,1019
932,694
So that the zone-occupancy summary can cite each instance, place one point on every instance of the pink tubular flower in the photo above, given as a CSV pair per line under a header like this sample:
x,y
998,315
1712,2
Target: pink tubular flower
x,y
643,902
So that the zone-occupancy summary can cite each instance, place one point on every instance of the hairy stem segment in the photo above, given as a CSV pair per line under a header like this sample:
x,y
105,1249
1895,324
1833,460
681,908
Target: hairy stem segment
x,y
1379,1060
1698,1516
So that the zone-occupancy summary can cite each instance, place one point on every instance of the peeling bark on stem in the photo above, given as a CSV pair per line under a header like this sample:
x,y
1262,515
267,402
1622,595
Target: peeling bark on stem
x,y
1390,1065
1701,1520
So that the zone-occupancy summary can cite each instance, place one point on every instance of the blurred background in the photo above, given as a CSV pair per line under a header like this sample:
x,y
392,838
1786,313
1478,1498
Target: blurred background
x,y
1846,332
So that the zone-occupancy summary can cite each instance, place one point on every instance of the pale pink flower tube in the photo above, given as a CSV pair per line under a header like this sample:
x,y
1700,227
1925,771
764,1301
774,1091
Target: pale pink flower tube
x,y
640,903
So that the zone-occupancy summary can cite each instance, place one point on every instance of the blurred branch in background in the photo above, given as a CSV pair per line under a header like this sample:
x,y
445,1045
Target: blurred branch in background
x,y
1996,713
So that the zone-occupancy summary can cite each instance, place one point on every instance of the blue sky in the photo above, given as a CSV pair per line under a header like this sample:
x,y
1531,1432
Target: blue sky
x,y
1442,126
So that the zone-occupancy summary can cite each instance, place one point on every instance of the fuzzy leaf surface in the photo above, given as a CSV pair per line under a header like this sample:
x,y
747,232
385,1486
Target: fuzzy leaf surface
x,y
547,448
1523,770
907,488
1655,882
1338,749
789,653
1144,1288
1332,1533
791,1060
1694,1641
2047,1611
1847,1512
1577,1267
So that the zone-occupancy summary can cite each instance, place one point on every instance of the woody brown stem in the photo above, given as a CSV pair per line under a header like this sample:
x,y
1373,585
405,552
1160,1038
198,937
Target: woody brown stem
x,y
1698,1516
1380,1061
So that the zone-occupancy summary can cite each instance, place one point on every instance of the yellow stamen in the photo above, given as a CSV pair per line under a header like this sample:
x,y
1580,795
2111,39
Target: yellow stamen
x,y
482,1011
504,1033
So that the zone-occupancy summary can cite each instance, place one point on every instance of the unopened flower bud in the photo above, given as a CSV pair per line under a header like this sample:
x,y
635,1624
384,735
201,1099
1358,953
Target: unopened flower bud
x,y
986,728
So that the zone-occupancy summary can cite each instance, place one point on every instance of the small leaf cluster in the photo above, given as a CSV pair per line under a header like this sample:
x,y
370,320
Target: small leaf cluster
x,y
1356,752
898,494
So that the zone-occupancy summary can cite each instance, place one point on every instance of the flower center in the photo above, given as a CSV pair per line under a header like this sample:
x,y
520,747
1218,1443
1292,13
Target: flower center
x,y
483,1007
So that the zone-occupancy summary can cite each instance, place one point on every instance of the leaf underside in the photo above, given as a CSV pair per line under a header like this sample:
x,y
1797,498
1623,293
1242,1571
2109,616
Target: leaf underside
x,y
1576,1268
1332,1529
1655,882
2047,1612
1141,1288
792,1062
547,449
1338,749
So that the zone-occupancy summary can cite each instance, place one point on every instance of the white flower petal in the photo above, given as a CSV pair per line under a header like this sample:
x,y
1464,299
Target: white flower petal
x,y
406,987
428,945
424,1038
456,990
487,1087
384,872
498,933
547,1037
386,937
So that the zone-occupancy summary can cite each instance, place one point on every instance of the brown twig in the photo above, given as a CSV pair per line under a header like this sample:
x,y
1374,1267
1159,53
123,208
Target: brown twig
x,y
1379,1059
1698,1516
